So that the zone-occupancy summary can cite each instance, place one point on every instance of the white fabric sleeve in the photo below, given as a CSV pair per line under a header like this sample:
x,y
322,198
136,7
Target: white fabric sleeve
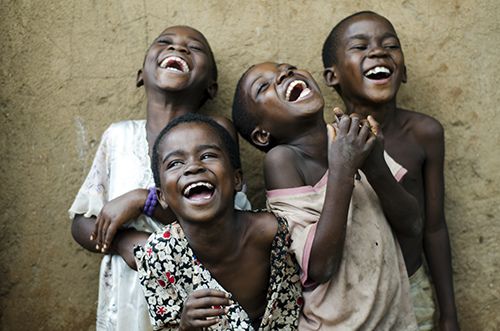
x,y
94,191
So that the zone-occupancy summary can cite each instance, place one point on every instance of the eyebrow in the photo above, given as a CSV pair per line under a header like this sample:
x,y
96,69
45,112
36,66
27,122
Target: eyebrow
x,y
364,36
171,34
169,155
208,146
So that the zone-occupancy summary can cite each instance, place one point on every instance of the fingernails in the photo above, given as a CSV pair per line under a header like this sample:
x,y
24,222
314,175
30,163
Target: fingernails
x,y
105,246
229,295
91,237
97,247
103,250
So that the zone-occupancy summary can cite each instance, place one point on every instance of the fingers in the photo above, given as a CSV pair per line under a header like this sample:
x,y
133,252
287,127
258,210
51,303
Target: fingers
x,y
109,235
338,114
208,292
100,233
332,133
103,224
375,127
203,307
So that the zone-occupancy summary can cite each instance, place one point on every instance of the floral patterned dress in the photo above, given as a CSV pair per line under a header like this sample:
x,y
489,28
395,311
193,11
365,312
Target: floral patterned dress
x,y
121,164
169,273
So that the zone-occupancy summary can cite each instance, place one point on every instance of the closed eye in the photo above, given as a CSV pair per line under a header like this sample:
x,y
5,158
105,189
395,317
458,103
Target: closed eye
x,y
392,46
262,87
164,41
196,47
174,163
359,47
206,156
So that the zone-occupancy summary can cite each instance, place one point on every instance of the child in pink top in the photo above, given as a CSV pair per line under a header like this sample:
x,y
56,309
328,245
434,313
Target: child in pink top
x,y
352,269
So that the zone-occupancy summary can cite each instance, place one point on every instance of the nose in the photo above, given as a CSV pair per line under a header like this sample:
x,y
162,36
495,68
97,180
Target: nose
x,y
193,168
287,72
377,51
179,48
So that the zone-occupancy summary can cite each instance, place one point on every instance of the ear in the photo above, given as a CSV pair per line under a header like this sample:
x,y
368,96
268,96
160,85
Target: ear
x,y
330,77
161,198
405,77
260,137
212,89
139,81
238,180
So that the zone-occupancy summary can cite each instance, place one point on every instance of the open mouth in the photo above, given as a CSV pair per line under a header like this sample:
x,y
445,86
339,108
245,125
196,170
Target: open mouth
x,y
174,63
297,90
199,191
378,73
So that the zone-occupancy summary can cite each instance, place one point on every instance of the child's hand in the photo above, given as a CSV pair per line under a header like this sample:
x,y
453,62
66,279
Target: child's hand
x,y
114,214
203,308
376,158
349,143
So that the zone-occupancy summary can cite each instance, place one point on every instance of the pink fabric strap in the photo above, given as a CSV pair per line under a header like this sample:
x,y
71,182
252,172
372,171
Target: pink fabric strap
x,y
304,279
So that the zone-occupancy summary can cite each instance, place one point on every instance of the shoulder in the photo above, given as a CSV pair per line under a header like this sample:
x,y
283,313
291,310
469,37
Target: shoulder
x,y
128,127
262,225
280,168
424,127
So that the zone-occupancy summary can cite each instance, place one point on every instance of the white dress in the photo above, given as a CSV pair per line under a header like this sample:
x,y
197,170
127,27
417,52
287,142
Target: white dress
x,y
121,164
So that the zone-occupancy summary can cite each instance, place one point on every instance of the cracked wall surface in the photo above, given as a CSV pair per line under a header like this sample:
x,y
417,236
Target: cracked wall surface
x,y
67,70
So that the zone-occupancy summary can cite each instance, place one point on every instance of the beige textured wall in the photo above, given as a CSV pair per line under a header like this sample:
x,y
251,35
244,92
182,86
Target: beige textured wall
x,y
67,70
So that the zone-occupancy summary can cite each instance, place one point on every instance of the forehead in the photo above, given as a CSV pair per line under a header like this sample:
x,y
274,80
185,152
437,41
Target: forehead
x,y
188,135
259,70
366,24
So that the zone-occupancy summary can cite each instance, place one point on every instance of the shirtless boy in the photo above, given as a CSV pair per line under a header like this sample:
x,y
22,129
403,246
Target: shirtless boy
x,y
364,62
352,270
192,268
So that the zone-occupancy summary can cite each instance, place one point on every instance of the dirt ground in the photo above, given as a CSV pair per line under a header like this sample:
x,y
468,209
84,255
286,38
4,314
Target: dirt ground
x,y
67,70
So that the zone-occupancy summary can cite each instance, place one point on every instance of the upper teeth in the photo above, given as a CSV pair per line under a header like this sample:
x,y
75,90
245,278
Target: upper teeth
x,y
376,70
292,85
183,64
188,189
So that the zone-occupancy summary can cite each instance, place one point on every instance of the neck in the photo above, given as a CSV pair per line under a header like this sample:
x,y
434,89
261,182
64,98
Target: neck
x,y
214,240
383,113
162,107
313,140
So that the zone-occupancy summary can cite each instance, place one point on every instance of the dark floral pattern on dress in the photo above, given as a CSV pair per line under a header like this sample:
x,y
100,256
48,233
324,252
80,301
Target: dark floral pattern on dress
x,y
169,272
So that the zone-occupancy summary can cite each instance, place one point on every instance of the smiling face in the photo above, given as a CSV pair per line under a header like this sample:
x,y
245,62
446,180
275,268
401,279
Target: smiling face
x,y
369,63
197,180
281,96
179,58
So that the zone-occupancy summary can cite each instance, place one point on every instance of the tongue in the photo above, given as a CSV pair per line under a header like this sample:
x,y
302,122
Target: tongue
x,y
304,92
201,196
172,64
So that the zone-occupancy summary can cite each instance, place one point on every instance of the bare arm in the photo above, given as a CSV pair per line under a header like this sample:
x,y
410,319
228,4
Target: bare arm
x,y
115,213
400,207
123,243
347,150
436,240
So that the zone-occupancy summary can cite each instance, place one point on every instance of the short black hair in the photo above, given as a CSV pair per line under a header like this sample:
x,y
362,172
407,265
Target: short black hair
x,y
243,119
332,41
229,144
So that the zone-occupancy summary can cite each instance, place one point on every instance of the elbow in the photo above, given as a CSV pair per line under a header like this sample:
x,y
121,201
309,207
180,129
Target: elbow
x,y
76,230
327,271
